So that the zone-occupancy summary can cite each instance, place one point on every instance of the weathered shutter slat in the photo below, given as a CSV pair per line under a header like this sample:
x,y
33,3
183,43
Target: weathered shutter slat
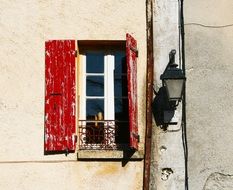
x,y
60,95
131,59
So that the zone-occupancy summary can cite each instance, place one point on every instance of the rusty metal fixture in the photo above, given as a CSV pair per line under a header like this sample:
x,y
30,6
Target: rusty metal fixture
x,y
149,94
97,135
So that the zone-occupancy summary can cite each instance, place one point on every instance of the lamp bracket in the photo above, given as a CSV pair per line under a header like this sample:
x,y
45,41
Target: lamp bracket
x,y
172,55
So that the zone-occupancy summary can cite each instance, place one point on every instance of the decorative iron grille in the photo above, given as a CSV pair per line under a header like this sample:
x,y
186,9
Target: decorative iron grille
x,y
97,135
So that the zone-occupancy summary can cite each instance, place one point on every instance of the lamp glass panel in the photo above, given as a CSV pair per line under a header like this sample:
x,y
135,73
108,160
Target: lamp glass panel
x,y
174,88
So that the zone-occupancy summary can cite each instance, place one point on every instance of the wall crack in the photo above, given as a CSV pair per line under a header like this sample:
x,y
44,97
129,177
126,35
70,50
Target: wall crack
x,y
219,181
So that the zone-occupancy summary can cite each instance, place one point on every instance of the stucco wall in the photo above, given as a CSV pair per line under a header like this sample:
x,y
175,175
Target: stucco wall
x,y
209,94
25,26
167,162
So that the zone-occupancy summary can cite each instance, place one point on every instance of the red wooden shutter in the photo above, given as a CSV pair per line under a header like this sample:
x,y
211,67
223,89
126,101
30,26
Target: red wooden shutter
x,y
60,95
131,54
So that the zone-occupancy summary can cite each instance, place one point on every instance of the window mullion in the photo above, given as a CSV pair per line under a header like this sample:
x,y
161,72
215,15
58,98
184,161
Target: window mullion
x,y
83,90
94,97
110,87
94,74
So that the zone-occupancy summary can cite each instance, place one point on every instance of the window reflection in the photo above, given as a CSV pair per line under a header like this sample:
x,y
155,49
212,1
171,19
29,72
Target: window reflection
x,y
120,86
95,62
95,86
94,107
94,125
120,63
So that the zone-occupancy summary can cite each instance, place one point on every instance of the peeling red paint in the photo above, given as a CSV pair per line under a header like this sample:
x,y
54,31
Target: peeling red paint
x,y
131,53
60,95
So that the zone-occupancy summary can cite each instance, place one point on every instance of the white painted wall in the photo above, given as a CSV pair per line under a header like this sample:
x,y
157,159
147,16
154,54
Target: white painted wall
x,y
25,26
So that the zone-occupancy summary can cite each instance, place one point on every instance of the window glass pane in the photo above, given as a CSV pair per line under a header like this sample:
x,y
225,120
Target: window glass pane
x,y
121,109
95,62
120,62
95,86
95,109
120,86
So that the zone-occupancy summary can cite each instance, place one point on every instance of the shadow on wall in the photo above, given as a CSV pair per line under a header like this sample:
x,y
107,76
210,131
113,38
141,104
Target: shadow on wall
x,y
127,156
57,152
159,105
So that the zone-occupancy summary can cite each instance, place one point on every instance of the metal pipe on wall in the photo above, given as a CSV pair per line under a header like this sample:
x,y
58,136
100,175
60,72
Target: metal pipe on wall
x,y
149,94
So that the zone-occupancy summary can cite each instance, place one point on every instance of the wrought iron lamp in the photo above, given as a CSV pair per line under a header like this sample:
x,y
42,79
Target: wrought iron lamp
x,y
173,79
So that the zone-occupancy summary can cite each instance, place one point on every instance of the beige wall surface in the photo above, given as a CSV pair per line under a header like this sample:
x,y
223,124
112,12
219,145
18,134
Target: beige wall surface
x,y
25,26
209,93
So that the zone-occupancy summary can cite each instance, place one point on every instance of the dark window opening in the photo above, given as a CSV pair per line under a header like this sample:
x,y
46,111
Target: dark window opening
x,y
106,121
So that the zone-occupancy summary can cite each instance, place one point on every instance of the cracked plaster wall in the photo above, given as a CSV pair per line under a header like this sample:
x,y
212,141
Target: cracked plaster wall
x,y
209,94
219,181
209,103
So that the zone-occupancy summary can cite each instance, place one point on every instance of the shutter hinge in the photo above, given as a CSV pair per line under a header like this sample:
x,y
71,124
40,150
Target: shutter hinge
x,y
66,151
134,50
137,136
75,138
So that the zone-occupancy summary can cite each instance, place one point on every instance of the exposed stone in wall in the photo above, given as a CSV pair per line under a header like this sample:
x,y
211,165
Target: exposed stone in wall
x,y
166,172
219,181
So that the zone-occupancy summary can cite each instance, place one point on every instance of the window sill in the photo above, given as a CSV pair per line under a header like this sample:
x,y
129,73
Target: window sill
x,y
109,155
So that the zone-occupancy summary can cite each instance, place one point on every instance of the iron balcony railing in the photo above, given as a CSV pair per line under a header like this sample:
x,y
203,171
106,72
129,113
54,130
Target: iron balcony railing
x,y
97,134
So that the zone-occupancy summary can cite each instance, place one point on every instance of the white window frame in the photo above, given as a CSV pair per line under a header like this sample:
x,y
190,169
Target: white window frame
x,y
109,113
109,106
